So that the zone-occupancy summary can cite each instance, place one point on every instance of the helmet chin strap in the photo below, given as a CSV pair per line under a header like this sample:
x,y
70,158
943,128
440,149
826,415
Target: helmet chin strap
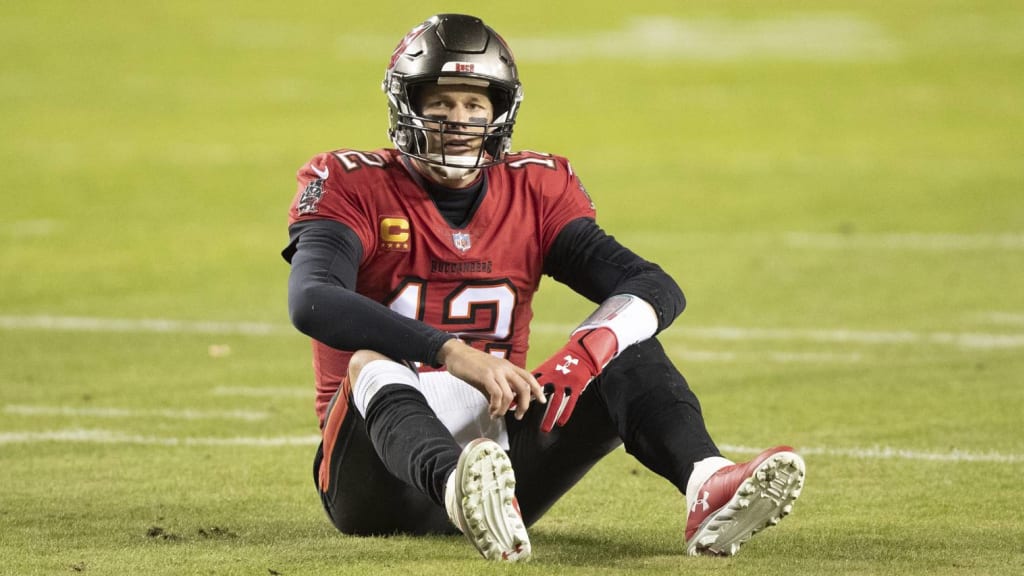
x,y
449,172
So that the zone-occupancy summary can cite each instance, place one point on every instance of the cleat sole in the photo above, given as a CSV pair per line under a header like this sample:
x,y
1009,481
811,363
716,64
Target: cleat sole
x,y
485,491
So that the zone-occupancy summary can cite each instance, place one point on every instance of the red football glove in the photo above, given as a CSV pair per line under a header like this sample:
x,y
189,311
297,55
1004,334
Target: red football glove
x,y
570,369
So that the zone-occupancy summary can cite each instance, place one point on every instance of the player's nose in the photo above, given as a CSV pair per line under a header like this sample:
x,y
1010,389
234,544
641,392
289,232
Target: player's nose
x,y
458,113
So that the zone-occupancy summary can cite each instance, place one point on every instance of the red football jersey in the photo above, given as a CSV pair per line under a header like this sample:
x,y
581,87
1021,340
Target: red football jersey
x,y
477,281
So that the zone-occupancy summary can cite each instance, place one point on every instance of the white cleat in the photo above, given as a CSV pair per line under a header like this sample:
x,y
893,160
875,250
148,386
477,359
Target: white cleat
x,y
481,501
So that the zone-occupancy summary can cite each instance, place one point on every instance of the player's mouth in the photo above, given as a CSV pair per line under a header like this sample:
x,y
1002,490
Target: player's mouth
x,y
461,147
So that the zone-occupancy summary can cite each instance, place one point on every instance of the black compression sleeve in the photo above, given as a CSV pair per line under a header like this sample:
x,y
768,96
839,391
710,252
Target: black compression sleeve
x,y
596,266
322,303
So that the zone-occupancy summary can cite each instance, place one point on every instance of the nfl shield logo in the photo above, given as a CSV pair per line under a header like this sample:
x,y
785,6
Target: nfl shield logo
x,y
461,240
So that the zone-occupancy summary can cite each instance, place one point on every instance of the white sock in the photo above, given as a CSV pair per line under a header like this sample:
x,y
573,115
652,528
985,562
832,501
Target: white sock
x,y
701,472
450,502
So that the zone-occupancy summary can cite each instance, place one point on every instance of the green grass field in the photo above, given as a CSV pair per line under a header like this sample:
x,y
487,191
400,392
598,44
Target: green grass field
x,y
837,186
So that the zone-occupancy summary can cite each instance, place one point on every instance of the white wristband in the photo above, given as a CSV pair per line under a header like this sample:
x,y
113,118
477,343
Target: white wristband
x,y
629,317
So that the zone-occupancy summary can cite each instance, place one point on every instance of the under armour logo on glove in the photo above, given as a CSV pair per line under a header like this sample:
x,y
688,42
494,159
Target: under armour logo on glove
x,y
569,361
567,373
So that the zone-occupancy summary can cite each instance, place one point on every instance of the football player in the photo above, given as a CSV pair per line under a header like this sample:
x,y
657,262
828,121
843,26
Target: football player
x,y
413,270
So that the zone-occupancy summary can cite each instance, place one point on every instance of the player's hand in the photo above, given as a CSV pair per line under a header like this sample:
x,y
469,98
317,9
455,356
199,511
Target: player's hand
x,y
568,372
503,383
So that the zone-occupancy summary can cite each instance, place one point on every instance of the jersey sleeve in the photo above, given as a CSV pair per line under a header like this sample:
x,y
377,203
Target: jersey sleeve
x,y
564,199
327,191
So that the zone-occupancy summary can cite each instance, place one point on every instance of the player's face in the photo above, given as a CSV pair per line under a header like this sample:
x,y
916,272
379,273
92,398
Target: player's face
x,y
455,103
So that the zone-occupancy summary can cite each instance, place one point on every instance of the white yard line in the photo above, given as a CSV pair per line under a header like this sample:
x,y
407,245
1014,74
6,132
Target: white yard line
x,y
30,228
905,241
659,39
265,392
891,453
813,357
89,324
109,437
90,436
762,356
970,340
799,37
97,412
1003,318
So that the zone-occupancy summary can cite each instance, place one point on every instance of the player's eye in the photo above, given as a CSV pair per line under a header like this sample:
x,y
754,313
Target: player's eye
x,y
435,106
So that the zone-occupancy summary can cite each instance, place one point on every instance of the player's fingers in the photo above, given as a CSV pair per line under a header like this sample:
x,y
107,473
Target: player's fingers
x,y
498,401
526,388
507,398
518,389
536,390
554,407
523,396
570,405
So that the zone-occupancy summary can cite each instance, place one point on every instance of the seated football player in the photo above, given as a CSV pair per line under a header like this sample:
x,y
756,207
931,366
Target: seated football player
x,y
413,270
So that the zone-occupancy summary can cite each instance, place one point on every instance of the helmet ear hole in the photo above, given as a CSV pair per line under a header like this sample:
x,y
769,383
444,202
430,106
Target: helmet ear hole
x,y
414,91
500,102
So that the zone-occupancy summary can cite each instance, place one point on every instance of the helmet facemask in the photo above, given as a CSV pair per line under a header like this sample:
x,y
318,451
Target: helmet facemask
x,y
418,136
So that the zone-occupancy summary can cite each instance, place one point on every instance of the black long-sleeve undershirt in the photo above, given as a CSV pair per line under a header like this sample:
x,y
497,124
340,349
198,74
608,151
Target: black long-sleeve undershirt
x,y
596,266
323,304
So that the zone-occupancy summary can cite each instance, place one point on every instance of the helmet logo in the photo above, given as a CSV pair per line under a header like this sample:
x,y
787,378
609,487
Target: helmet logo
x,y
462,67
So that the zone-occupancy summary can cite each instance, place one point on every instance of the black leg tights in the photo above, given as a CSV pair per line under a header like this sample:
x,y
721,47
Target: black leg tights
x,y
639,400
413,444
656,413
